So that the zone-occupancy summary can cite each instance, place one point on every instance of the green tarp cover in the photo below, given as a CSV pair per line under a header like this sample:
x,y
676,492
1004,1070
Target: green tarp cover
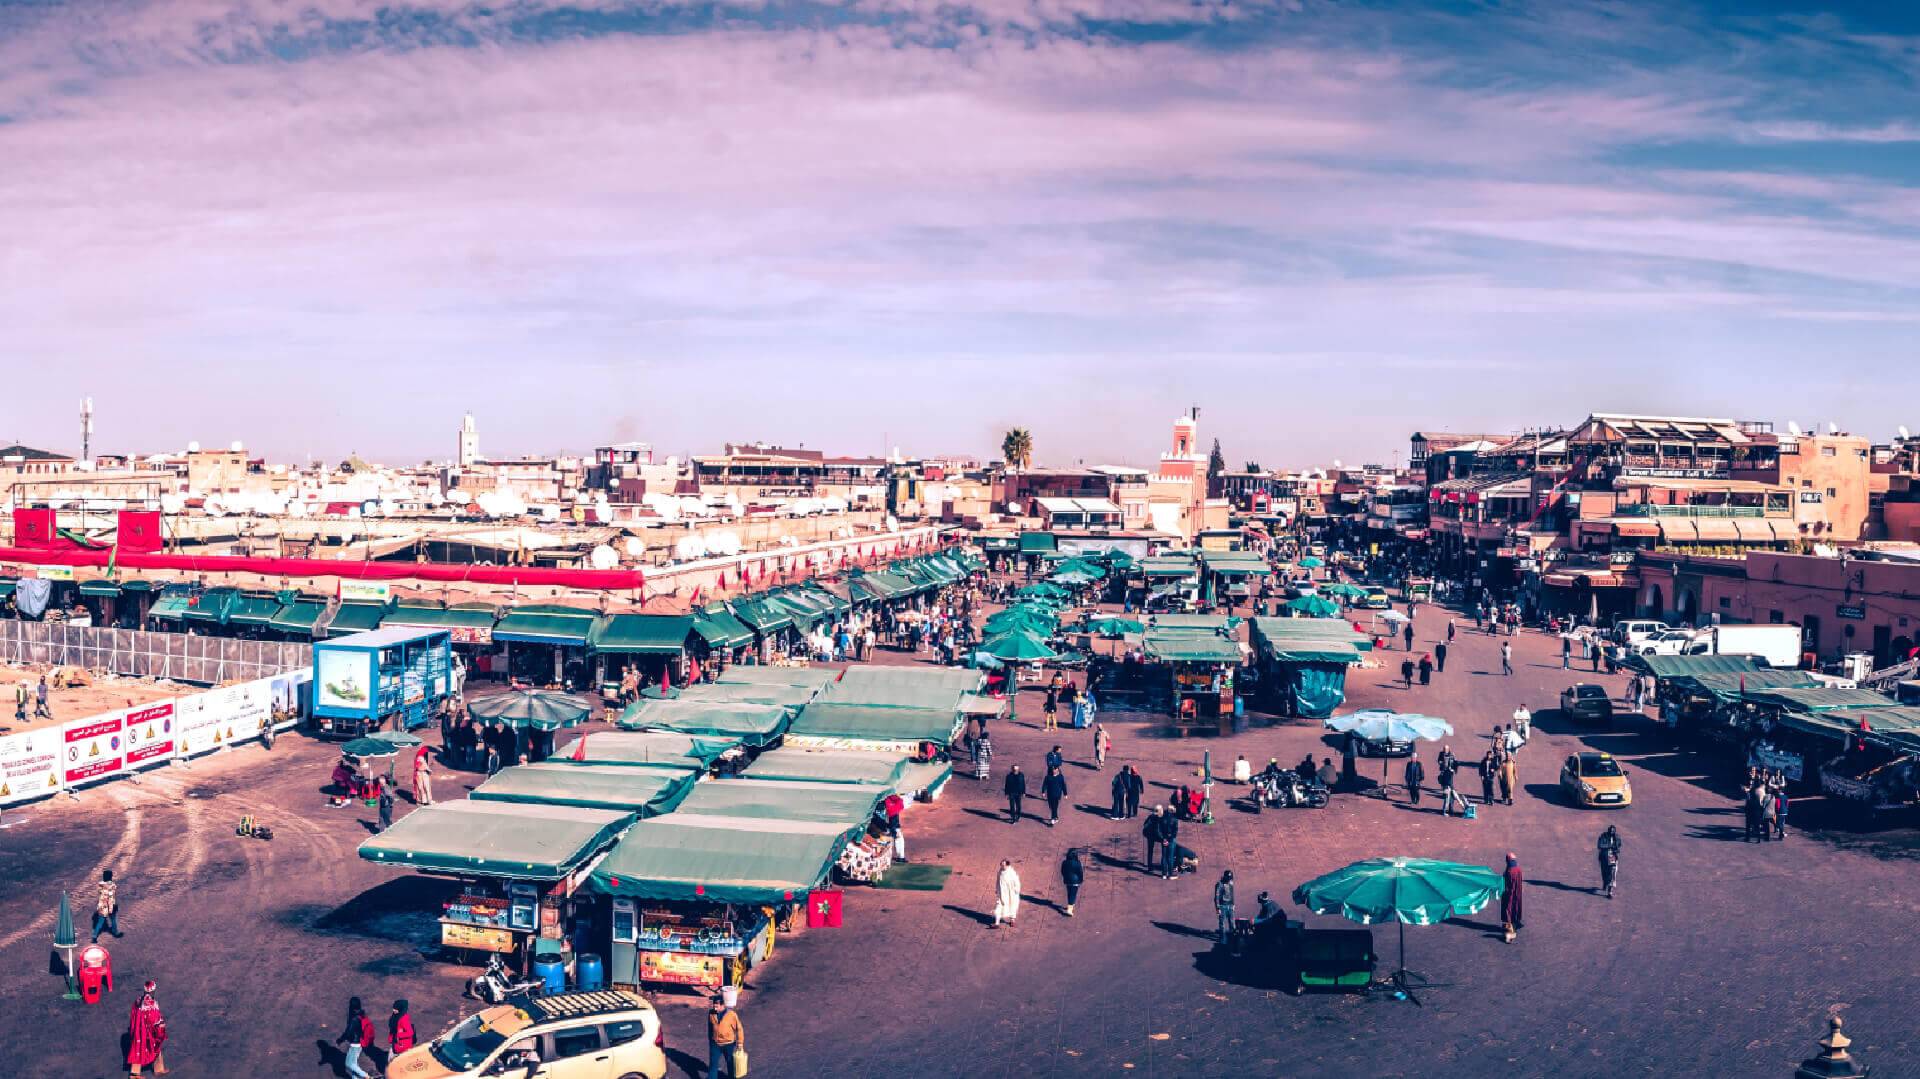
x,y
1271,633
721,629
647,634
1897,729
411,614
1727,688
770,675
885,585
497,839
99,587
753,724
174,607
720,859
544,627
356,618
1821,699
253,610
651,749
298,616
906,687
1036,542
646,791
876,723
828,766
1189,647
1212,623
213,605
1168,567
788,697
850,805
1314,690
1313,652
765,618
1680,666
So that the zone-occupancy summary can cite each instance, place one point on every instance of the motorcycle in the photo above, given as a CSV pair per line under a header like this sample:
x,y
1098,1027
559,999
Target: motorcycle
x,y
495,984
1288,791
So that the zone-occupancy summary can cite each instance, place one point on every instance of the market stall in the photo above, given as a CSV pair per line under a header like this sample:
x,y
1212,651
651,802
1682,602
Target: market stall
x,y
650,749
1304,661
645,792
827,724
830,766
754,725
1200,662
1877,766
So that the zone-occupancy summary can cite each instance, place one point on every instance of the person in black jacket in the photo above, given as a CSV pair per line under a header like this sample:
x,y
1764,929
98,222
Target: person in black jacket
x,y
1609,850
1016,793
1151,832
1072,875
1223,905
1169,831
1054,787
1416,775
1121,788
1136,787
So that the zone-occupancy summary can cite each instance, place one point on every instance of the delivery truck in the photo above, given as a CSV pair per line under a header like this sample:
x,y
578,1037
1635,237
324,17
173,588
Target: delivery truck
x,y
1776,645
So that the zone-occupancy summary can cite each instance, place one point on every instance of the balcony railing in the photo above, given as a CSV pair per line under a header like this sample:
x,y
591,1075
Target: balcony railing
x,y
1644,509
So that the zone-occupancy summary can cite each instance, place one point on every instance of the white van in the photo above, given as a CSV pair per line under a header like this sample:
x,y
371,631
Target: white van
x,y
1632,633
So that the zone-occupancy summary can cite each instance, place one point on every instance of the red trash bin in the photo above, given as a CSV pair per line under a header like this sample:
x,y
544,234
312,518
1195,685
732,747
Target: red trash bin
x,y
823,908
96,970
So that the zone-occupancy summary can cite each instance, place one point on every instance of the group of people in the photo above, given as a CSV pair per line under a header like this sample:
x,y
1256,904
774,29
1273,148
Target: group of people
x,y
477,747
358,1036
1497,767
1764,797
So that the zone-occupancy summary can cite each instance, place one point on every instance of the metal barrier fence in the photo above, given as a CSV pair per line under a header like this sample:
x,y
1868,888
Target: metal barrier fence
x,y
142,654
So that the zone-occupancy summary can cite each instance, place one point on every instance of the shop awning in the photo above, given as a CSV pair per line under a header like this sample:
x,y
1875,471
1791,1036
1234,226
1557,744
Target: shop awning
x,y
212,605
850,805
1186,647
1678,530
497,839
1308,651
1716,530
1727,688
1636,529
139,586
1821,699
650,749
1683,666
253,609
545,627
1761,529
753,724
826,720
756,675
296,617
788,697
99,586
1037,542
646,791
720,859
641,634
765,618
829,766
173,608
426,617
938,688
1897,729
720,629
356,618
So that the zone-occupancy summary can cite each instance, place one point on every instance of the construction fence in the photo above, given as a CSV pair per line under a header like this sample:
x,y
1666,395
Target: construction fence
x,y
143,654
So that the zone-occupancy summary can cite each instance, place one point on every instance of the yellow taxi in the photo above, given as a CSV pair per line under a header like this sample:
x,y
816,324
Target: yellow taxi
x,y
1595,780
609,1034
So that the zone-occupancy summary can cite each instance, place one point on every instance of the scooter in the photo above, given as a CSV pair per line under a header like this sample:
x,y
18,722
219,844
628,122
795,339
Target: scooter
x,y
1287,791
495,984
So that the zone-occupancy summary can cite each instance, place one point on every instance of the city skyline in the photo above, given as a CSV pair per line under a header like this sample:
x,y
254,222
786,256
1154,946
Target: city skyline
x,y
918,225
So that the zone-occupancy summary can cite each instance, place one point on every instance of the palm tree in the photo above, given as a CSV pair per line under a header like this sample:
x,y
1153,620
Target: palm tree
x,y
1017,448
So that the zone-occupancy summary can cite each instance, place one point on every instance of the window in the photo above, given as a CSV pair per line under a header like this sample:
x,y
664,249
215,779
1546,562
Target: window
x,y
1832,493
631,1030
576,1042
1827,451
1725,602
1776,617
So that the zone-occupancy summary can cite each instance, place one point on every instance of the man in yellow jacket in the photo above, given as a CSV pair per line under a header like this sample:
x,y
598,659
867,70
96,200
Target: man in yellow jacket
x,y
725,1037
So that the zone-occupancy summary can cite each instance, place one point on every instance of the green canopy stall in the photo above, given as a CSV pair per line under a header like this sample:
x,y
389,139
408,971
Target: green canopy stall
x,y
850,805
648,792
713,859
829,766
752,724
649,749
497,839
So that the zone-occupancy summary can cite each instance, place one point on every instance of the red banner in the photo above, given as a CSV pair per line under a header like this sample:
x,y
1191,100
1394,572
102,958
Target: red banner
x,y
34,528
139,531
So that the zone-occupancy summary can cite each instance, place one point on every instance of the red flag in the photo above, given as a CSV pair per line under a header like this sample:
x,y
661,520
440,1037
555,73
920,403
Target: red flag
x,y
580,749
695,598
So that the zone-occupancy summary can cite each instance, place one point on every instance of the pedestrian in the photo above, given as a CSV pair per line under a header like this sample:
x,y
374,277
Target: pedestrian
x,y
1406,672
1426,669
1768,813
983,755
1566,653
1150,831
1512,905
1593,652
385,804
1120,788
1488,769
1407,634
1522,723
1051,709
1006,895
894,806
1136,787
422,778
1609,850
1169,832
1451,630
1506,657
399,1030
1416,773
1102,741
1056,759
20,702
1780,805
357,1037
40,709
1448,796
1054,788
146,1035
1440,654
1016,789
1509,779
1349,765
726,1039
106,908
1072,875
1223,905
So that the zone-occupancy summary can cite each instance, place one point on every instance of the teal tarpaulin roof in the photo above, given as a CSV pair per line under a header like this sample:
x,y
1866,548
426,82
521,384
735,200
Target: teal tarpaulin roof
x,y
789,697
1036,542
253,609
1305,651
1186,647
912,687
99,587
720,859
652,749
1727,688
804,677
828,765
1821,699
356,618
848,804
647,791
296,617
643,634
721,629
1680,666
545,627
497,839
876,723
753,724
212,605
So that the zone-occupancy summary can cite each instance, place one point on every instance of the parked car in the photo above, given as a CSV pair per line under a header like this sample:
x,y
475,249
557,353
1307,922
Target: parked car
x,y
1587,701
609,1033
1301,586
1377,600
1672,642
1634,632
1595,779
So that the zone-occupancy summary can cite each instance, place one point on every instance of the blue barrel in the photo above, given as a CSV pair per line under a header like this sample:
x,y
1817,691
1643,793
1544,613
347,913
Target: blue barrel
x,y
588,973
552,972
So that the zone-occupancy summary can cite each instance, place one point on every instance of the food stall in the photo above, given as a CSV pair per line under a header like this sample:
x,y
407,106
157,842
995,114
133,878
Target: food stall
x,y
518,865
748,727
648,749
1878,767
1200,662
1303,662
1794,729
386,678
645,792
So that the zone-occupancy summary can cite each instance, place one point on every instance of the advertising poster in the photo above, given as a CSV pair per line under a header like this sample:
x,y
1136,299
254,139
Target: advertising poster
x,y
682,968
29,765
285,691
150,734
343,679
93,749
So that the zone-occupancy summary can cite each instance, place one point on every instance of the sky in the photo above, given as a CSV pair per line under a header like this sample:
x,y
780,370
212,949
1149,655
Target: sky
x,y
332,226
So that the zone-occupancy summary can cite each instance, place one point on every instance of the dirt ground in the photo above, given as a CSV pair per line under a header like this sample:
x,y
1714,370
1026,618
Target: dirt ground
x,y
1717,958
105,694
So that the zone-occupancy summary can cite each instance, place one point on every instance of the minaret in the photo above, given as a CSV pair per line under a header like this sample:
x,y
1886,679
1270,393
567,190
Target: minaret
x,y
469,443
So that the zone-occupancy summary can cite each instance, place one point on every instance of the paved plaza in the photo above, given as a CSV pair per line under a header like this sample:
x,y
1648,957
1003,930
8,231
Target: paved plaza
x,y
1717,958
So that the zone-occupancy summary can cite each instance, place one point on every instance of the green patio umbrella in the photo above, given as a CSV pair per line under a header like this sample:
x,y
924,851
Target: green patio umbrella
x,y
1420,891
542,710
1115,627
1343,590
1044,590
1311,562
1073,578
1017,648
369,747
65,940
402,739
1081,565
1314,606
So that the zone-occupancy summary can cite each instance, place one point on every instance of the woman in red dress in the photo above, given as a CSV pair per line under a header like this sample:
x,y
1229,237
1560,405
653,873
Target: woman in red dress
x,y
147,1035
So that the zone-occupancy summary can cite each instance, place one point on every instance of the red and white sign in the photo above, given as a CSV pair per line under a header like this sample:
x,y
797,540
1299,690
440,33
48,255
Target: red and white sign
x,y
94,749
29,765
150,734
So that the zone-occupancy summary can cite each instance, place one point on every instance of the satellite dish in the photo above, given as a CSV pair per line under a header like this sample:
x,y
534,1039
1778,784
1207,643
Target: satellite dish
x,y
1904,433
1793,428
603,557
1336,462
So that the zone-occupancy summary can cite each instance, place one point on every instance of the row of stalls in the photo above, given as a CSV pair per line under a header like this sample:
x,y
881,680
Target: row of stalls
x,y
679,849
1854,745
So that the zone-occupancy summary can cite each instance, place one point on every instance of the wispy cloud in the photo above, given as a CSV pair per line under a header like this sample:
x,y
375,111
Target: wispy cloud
x,y
1816,131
